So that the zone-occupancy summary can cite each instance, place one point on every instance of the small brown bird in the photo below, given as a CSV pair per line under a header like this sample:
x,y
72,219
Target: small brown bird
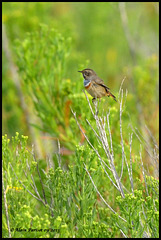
x,y
94,85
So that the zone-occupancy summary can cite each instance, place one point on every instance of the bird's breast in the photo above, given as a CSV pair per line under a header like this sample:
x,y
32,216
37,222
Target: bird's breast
x,y
87,83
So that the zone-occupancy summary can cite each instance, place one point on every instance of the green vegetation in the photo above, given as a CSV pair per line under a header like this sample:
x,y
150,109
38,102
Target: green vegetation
x,y
79,174
60,203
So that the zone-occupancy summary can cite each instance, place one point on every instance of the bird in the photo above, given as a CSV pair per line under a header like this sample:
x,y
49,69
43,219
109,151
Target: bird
x,y
94,85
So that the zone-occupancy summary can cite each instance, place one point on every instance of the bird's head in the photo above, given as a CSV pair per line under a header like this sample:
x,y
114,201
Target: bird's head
x,y
88,73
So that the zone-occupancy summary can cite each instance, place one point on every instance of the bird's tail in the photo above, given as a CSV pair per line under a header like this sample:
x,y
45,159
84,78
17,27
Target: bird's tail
x,y
111,95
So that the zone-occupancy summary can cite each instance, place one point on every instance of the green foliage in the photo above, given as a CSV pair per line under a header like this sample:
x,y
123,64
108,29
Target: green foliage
x,y
49,43
41,60
42,65
70,207
140,210
43,70
98,37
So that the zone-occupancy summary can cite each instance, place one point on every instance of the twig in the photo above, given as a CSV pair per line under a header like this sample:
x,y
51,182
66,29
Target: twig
x,y
103,138
107,117
89,104
122,144
33,187
59,157
39,199
121,86
101,195
121,230
96,151
98,138
6,206
105,145
153,156
131,178
143,171
152,137
37,167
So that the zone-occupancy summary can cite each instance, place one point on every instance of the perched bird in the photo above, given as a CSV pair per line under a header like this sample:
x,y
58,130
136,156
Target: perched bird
x,y
94,85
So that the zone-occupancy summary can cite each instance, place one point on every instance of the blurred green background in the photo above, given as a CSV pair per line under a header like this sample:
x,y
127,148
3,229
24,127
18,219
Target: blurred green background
x,y
117,40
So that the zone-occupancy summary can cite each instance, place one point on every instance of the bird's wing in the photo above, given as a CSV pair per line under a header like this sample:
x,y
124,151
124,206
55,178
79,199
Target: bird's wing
x,y
99,81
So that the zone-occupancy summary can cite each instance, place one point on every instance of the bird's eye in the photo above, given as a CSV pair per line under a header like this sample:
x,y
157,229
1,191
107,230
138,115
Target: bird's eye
x,y
87,73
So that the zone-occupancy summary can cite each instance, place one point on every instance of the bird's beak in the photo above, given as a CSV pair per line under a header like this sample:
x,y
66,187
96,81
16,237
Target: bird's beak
x,y
80,71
